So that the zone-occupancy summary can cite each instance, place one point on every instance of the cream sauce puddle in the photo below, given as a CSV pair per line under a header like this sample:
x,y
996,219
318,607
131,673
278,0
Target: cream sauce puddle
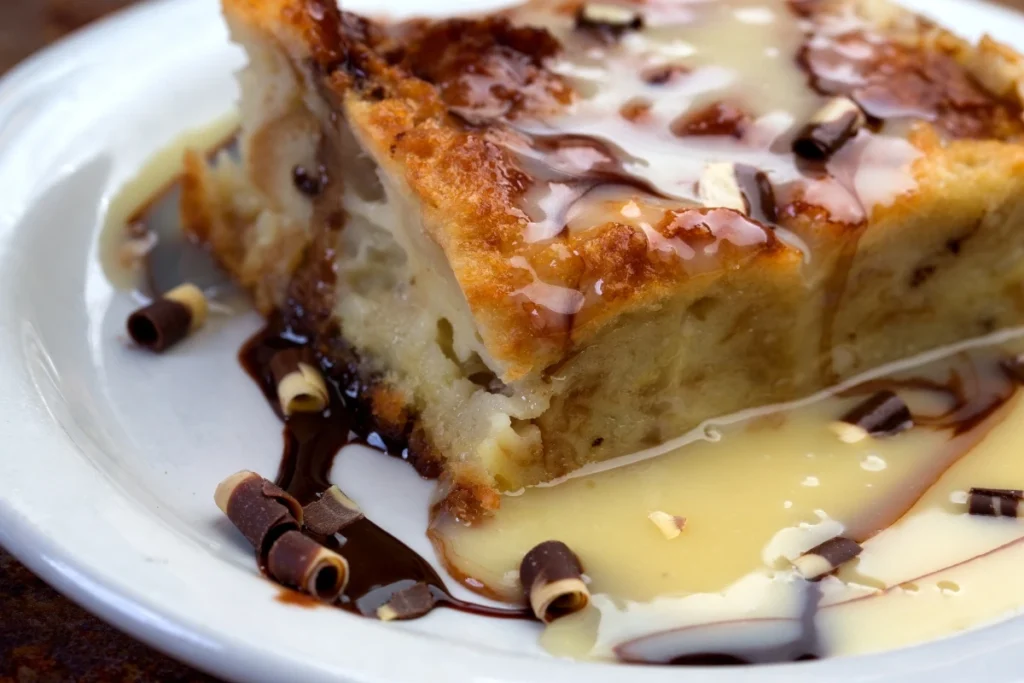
x,y
756,494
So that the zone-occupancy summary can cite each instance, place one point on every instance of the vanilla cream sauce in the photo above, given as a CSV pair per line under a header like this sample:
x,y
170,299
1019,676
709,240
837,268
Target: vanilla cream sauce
x,y
758,492
741,52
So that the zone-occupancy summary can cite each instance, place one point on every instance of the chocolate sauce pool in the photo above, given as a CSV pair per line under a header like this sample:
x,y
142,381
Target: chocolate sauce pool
x,y
379,564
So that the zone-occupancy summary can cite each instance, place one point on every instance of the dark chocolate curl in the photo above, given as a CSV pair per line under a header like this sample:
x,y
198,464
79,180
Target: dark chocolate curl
x,y
758,193
258,509
884,414
300,385
829,130
331,513
300,562
552,578
272,490
995,502
169,319
827,557
409,603
160,325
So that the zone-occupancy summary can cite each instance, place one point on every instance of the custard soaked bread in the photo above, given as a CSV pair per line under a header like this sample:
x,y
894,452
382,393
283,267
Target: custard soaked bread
x,y
569,231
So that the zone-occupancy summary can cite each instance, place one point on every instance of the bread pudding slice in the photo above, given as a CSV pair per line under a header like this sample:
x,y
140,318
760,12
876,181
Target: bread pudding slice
x,y
568,231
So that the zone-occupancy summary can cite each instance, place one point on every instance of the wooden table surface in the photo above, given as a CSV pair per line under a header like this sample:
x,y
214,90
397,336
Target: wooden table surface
x,y
43,637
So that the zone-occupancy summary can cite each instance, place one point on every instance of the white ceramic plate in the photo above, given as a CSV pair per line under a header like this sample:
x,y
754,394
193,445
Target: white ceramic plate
x,y
109,458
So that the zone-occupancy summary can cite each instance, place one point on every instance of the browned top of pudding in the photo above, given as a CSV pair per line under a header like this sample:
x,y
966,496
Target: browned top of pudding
x,y
561,153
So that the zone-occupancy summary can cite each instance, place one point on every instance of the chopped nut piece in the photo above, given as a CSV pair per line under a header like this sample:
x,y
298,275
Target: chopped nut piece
x,y
671,526
300,386
615,19
719,188
169,319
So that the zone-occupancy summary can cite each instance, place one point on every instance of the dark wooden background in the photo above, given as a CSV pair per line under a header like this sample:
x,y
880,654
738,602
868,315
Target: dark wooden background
x,y
43,637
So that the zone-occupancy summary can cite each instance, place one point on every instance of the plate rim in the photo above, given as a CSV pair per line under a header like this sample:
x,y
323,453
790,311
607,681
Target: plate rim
x,y
97,589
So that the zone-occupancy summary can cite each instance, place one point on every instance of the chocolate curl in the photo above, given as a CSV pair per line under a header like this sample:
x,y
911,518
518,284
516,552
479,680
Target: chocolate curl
x,y
829,129
169,319
408,603
300,562
258,508
552,578
757,192
331,513
300,386
612,19
884,414
826,558
995,502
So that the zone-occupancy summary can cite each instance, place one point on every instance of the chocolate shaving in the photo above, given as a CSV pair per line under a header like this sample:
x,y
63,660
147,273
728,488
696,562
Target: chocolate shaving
x,y
298,561
552,578
827,557
259,509
272,490
160,325
331,513
409,603
757,193
830,129
995,502
884,414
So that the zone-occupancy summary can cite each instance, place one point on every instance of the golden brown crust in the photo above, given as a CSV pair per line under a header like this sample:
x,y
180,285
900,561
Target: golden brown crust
x,y
408,112
699,310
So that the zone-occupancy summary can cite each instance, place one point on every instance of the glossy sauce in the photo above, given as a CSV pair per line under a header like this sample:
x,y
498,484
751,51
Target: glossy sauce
x,y
379,563
758,491
590,164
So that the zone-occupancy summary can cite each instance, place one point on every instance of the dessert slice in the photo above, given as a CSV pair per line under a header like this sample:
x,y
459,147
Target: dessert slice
x,y
568,231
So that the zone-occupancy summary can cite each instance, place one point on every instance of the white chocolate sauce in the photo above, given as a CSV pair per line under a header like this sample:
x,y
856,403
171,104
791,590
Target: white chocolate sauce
x,y
755,496
738,52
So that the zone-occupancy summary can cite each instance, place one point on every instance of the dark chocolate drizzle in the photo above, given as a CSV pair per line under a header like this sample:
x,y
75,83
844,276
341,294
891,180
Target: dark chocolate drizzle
x,y
805,647
975,389
380,565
